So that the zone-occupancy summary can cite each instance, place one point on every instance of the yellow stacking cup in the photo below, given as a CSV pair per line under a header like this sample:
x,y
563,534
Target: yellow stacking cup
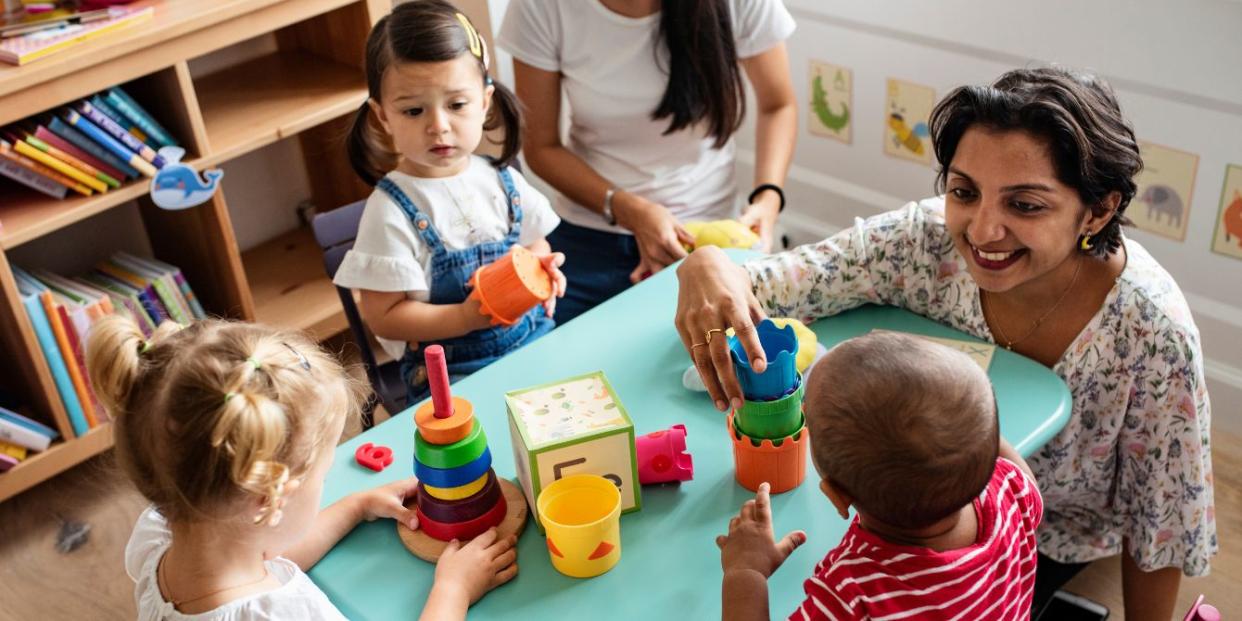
x,y
582,516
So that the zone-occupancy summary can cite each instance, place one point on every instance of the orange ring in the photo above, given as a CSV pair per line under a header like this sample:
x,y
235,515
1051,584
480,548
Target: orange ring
x,y
444,430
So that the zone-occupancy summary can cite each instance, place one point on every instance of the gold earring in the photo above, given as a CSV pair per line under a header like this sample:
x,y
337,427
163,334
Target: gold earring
x,y
1084,242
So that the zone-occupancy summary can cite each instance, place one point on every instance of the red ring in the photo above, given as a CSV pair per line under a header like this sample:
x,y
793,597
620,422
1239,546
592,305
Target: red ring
x,y
462,531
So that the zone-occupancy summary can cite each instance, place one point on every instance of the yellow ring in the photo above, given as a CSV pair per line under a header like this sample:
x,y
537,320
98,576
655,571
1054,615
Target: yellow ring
x,y
459,492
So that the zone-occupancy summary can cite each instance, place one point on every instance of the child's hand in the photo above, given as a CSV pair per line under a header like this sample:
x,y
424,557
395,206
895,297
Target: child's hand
x,y
474,569
388,501
473,316
750,543
552,265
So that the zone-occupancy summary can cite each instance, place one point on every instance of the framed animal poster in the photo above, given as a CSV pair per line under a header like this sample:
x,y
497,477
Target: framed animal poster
x,y
907,108
1165,186
1228,237
832,102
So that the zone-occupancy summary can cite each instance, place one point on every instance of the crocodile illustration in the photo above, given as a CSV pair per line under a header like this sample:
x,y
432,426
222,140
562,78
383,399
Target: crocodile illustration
x,y
819,104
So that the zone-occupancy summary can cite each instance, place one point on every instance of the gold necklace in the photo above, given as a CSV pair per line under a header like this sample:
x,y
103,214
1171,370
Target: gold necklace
x,y
162,581
1008,344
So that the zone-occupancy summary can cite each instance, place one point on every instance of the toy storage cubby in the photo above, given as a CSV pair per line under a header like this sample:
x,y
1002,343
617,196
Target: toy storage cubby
x,y
306,84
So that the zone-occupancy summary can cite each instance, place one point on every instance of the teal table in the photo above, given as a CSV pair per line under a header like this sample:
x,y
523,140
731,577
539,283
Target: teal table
x,y
670,566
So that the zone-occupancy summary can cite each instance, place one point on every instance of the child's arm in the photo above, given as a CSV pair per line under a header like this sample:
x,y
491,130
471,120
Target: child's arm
x,y
466,573
552,262
334,522
749,554
1008,452
391,315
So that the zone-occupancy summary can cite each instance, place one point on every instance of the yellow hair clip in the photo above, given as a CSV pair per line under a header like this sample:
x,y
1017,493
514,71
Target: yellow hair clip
x,y
476,43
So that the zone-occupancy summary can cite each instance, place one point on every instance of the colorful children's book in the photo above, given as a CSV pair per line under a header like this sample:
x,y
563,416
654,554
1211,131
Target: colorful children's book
x,y
8,153
82,141
113,129
31,179
51,352
63,329
120,119
165,286
195,308
46,135
79,313
59,166
16,451
8,462
123,103
69,159
22,49
148,299
124,301
93,132
19,430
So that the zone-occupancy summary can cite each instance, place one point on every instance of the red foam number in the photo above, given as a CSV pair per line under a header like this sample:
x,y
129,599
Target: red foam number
x,y
374,457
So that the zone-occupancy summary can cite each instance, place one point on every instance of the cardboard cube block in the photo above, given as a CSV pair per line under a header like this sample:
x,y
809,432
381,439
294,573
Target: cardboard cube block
x,y
573,426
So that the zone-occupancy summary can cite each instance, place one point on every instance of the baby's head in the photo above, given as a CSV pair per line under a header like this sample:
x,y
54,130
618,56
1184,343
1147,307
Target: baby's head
x,y
903,428
431,97
222,421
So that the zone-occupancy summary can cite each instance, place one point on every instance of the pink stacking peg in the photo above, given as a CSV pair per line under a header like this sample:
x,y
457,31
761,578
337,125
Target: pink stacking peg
x,y
1202,612
438,377
662,456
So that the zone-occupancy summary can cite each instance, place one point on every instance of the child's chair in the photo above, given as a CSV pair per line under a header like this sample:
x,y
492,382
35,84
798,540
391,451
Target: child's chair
x,y
335,231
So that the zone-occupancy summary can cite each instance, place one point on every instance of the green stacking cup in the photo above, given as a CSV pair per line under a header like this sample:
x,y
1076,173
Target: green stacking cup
x,y
774,419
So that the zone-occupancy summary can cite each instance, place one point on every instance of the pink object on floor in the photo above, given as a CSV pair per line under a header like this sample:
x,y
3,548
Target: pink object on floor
x,y
1202,612
374,457
662,456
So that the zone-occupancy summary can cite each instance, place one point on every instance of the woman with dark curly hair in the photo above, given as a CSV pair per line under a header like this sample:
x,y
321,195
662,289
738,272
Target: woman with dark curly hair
x,y
1024,248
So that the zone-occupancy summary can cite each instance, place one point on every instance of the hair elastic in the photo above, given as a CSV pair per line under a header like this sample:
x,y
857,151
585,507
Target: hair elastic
x,y
255,363
144,347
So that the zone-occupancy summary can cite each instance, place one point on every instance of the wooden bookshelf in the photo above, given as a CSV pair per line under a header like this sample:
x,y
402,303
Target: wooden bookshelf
x,y
308,88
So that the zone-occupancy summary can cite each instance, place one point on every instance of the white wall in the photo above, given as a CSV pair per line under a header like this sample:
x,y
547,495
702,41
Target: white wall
x,y
1174,67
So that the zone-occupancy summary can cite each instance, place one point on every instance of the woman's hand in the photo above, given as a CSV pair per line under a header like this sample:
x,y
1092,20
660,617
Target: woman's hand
x,y
715,294
481,565
552,263
760,217
659,235
388,501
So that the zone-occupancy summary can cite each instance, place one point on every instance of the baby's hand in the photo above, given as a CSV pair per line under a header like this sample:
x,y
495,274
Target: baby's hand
x,y
474,569
473,315
388,501
552,265
750,543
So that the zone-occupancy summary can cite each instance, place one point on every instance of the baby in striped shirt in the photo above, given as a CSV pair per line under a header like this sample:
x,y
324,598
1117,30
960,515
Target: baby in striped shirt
x,y
906,432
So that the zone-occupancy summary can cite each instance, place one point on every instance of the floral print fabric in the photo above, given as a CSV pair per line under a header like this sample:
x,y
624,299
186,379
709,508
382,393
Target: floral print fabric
x,y
1133,462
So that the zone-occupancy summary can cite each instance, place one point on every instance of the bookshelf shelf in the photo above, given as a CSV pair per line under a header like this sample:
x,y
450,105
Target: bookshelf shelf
x,y
57,458
308,87
273,97
289,286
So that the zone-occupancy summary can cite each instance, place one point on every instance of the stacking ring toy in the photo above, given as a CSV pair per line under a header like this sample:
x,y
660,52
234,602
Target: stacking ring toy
x,y
452,455
454,477
445,430
455,493
464,510
462,531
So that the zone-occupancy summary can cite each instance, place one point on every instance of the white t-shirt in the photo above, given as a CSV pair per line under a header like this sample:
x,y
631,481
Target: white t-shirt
x,y
296,598
609,73
466,210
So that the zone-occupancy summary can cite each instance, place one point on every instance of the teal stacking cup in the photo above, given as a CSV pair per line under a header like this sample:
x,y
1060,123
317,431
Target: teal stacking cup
x,y
780,347
777,418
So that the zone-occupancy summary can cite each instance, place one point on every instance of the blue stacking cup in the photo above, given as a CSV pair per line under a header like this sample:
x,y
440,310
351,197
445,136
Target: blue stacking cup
x,y
780,347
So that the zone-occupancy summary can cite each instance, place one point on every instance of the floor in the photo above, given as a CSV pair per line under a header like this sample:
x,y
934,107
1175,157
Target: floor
x,y
37,582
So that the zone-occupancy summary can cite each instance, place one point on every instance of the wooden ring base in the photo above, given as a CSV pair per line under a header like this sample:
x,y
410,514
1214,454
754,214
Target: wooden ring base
x,y
429,549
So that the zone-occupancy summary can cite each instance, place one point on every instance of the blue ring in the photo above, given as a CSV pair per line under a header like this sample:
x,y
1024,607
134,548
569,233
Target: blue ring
x,y
454,477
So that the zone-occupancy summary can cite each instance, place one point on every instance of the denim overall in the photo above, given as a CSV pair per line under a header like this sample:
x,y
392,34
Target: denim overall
x,y
449,277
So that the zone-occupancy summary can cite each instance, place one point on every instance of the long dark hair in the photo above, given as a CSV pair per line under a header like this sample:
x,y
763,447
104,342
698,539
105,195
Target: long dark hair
x,y
423,31
704,83
1092,145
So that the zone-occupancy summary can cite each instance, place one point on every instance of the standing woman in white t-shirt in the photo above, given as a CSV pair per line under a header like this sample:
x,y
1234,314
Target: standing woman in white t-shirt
x,y
655,95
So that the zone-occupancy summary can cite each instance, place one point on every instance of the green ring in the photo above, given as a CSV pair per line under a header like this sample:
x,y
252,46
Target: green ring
x,y
772,419
447,456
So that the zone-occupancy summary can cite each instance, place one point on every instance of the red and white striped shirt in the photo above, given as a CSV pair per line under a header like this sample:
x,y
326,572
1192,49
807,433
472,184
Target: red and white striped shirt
x,y
866,577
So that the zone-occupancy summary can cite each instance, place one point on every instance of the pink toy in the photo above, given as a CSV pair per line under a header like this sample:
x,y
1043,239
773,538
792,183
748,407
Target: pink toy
x,y
662,456
1202,612
374,457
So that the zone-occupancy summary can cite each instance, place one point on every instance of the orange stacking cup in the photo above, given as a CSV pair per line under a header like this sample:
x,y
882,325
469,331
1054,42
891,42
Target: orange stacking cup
x,y
512,285
783,466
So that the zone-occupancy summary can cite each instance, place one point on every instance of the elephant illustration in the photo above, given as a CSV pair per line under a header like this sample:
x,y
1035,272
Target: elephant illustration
x,y
1163,200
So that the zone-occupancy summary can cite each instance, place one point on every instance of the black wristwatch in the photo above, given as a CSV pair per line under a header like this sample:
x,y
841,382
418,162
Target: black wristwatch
x,y
767,186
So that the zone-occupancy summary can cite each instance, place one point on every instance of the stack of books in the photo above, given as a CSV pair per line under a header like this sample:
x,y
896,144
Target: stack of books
x,y
62,311
19,436
91,146
31,37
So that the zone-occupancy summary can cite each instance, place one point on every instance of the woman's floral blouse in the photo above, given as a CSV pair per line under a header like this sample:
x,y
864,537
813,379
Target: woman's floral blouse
x,y
1133,462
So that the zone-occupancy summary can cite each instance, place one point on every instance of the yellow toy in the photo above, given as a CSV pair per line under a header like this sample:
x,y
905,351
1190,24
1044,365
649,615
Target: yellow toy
x,y
722,233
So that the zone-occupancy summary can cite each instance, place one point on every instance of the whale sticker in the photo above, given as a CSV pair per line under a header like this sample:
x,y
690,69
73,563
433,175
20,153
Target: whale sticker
x,y
178,186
